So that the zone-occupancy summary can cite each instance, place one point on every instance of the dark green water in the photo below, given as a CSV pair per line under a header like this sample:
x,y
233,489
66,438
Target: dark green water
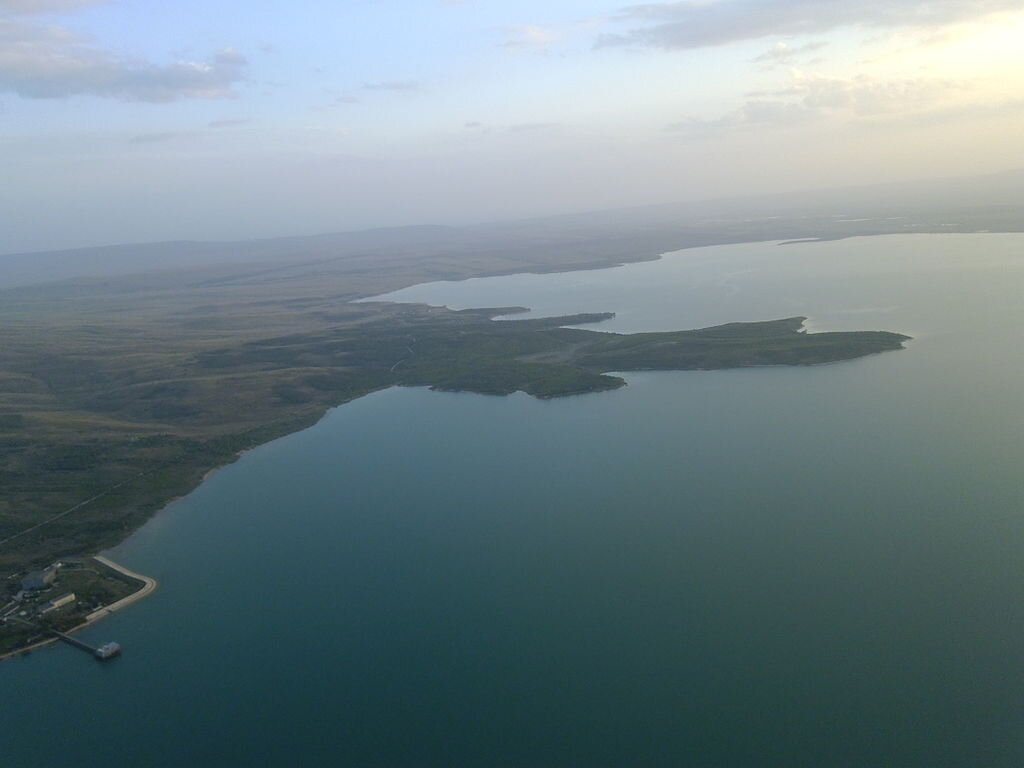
x,y
772,567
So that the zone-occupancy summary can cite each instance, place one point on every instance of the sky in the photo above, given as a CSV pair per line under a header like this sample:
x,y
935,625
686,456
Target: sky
x,y
144,120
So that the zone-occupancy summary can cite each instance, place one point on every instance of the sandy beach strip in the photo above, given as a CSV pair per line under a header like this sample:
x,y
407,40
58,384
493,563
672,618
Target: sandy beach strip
x,y
148,586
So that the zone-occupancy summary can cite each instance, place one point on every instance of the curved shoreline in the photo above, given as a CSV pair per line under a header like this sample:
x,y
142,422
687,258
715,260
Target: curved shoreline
x,y
148,585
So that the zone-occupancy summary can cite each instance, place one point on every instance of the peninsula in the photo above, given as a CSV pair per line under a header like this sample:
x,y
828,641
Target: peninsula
x,y
119,394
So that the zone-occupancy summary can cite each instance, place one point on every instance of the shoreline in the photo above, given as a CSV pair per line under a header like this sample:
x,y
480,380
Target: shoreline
x,y
302,423
149,584
238,454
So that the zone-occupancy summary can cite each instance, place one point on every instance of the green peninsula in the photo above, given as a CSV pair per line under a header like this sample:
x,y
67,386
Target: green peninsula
x,y
468,351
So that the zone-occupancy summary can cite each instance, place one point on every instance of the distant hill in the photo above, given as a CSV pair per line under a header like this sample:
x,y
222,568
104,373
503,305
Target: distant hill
x,y
596,238
115,260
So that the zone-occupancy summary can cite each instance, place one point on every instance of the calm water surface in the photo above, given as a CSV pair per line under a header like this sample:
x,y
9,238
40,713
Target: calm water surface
x,y
774,567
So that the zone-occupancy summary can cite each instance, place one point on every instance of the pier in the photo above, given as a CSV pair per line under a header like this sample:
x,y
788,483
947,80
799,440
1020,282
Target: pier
x,y
104,652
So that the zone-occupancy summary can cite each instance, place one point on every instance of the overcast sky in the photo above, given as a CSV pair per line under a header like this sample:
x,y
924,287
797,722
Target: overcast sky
x,y
130,120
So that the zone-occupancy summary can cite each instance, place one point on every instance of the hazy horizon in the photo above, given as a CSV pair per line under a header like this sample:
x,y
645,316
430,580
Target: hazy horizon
x,y
951,191
131,122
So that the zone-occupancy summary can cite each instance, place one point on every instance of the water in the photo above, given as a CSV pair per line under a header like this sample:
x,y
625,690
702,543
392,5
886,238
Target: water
x,y
773,567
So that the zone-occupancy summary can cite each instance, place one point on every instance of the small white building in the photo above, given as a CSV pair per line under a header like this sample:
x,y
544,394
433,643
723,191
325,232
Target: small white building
x,y
107,651
58,602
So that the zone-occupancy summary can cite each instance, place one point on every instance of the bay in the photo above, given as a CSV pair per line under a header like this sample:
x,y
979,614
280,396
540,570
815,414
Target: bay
x,y
776,566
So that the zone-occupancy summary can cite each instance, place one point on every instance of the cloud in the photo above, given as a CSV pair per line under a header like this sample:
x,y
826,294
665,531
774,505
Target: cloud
x,y
1006,110
865,95
340,100
481,128
813,97
40,61
783,53
531,127
530,36
35,7
756,112
703,23
400,86
229,123
153,138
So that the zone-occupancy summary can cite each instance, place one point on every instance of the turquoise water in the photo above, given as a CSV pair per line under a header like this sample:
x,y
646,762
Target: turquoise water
x,y
773,567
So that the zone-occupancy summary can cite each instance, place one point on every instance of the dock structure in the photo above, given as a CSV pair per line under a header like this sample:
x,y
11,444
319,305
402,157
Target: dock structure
x,y
104,652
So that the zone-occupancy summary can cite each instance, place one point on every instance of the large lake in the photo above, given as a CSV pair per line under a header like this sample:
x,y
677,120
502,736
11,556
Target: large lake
x,y
769,567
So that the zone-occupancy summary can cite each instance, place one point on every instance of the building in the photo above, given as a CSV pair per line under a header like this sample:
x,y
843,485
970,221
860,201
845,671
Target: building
x,y
107,651
40,579
57,602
